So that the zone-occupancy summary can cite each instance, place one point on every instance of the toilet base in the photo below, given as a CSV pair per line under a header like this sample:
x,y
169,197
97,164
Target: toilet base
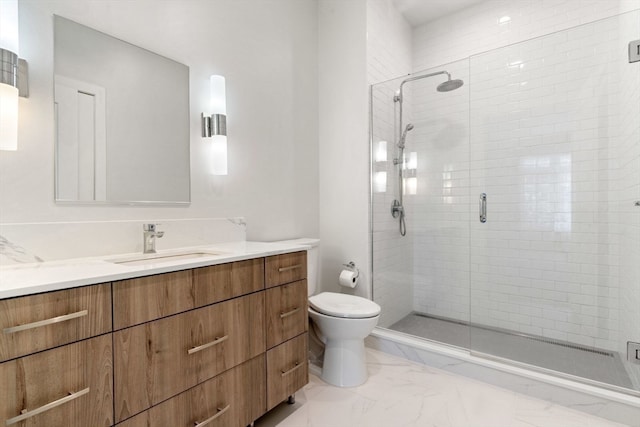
x,y
344,363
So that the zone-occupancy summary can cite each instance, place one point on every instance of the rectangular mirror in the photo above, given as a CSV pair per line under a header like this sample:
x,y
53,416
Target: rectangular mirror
x,y
122,121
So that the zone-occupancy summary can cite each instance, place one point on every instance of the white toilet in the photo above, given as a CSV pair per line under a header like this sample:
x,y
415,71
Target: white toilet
x,y
343,322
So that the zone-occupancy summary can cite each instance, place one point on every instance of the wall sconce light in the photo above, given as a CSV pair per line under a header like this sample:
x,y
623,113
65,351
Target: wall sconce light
x,y
13,75
214,125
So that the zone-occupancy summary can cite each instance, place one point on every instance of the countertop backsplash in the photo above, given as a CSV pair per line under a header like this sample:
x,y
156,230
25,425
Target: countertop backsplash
x,y
52,241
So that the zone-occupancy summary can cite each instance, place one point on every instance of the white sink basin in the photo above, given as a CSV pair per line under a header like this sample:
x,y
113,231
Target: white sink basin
x,y
147,259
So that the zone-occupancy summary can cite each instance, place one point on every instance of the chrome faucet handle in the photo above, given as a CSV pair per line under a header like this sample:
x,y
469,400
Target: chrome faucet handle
x,y
151,228
148,227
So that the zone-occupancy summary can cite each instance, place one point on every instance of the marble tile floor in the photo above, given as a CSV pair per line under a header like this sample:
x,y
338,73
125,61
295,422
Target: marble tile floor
x,y
400,393
607,368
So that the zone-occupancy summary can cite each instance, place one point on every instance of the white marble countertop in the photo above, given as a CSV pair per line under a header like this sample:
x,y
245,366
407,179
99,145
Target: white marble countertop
x,y
32,278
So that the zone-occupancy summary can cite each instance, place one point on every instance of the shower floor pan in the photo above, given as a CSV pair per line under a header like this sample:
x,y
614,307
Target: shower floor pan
x,y
594,364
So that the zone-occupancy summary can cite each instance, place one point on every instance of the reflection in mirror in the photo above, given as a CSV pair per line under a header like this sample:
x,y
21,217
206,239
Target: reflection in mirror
x,y
122,120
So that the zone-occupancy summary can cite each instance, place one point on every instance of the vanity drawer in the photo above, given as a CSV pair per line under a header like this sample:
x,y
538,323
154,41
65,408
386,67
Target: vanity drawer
x,y
39,322
287,369
148,298
286,313
285,268
160,359
72,385
235,398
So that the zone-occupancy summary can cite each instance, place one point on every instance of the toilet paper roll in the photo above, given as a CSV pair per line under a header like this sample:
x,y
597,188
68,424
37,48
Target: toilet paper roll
x,y
348,278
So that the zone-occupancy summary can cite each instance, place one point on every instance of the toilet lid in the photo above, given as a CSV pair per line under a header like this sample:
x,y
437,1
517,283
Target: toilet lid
x,y
341,305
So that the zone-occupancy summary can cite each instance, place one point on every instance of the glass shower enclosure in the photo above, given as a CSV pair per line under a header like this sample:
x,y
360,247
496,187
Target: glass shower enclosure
x,y
519,193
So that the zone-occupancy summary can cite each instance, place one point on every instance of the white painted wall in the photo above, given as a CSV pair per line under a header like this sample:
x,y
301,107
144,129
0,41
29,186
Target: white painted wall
x,y
343,142
267,52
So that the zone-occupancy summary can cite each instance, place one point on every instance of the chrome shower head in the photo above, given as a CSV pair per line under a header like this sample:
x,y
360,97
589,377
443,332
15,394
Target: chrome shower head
x,y
449,85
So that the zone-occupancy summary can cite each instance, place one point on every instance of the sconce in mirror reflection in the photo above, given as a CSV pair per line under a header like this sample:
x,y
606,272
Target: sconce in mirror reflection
x,y
380,167
13,75
214,125
410,174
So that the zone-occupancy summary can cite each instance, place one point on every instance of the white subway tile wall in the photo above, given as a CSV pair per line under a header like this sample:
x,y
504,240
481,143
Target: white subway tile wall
x,y
388,56
553,138
438,216
628,193
546,120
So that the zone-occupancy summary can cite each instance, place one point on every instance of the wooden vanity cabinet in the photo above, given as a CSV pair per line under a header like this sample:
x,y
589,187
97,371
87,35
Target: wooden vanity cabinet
x,y
287,369
234,398
287,315
142,299
287,325
219,345
42,321
57,359
66,386
163,358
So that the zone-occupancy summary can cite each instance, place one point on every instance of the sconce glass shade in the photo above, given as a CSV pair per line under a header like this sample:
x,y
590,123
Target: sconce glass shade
x,y
8,75
411,185
218,95
219,155
8,117
381,151
214,125
380,182
412,161
9,25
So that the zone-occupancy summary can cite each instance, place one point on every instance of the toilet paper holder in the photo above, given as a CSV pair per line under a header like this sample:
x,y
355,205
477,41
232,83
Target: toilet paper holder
x,y
352,266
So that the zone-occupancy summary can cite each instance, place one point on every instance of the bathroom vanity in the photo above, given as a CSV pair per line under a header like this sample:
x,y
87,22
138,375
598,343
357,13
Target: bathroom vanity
x,y
215,345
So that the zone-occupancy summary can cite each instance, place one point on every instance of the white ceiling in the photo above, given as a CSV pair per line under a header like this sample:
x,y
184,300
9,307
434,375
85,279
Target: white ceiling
x,y
417,12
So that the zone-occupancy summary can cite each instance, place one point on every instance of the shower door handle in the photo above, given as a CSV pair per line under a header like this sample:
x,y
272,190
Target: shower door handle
x,y
483,207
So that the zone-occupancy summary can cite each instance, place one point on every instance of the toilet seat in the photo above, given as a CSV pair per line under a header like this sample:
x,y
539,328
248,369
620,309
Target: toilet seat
x,y
342,305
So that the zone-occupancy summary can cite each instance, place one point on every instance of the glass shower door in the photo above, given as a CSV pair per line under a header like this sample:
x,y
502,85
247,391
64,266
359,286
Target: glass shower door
x,y
555,146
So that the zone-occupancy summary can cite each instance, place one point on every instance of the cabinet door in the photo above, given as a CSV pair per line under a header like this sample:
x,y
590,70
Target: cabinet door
x,y
160,359
235,398
39,322
69,386
287,369
287,314
285,268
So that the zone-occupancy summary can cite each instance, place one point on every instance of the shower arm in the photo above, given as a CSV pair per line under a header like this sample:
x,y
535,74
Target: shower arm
x,y
400,98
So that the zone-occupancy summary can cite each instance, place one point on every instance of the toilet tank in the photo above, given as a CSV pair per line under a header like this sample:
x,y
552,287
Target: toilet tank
x,y
312,261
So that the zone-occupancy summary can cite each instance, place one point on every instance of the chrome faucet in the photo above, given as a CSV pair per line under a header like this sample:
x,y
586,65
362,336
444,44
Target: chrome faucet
x,y
150,233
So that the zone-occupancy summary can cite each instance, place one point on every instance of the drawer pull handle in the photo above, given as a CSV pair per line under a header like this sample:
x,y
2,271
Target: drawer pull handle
x,y
289,313
293,267
297,365
44,408
208,420
45,322
207,345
